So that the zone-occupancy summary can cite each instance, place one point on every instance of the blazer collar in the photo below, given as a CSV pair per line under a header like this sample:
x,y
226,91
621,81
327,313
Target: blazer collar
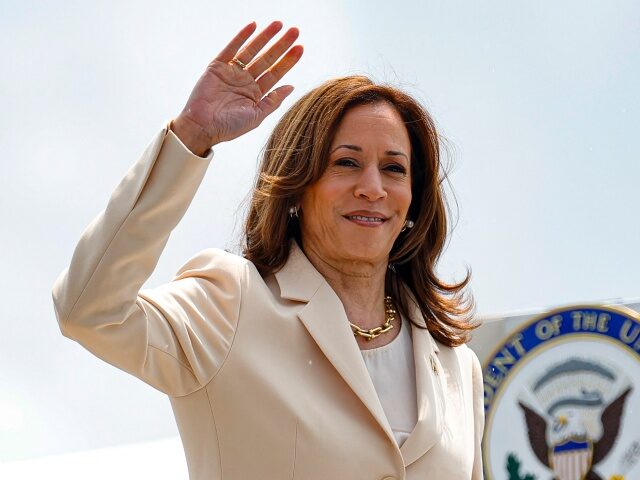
x,y
326,321
431,386
298,279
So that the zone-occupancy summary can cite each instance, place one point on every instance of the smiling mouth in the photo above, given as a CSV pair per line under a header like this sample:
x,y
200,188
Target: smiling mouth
x,y
363,218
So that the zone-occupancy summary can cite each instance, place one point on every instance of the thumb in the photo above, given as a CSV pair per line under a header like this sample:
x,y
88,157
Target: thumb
x,y
273,100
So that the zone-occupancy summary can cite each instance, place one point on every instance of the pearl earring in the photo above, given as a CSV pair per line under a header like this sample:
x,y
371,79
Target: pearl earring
x,y
407,224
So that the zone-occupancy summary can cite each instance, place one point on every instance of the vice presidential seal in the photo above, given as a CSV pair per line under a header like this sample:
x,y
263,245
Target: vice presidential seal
x,y
562,398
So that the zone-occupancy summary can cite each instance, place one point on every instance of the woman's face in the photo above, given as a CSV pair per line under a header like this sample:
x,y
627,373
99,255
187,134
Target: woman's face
x,y
355,211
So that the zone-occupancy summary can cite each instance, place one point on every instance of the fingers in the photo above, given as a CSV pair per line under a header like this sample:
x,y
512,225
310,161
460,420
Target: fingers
x,y
258,43
275,73
267,59
269,67
227,54
275,98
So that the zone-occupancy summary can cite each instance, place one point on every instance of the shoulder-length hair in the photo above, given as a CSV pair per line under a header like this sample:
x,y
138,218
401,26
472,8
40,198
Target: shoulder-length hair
x,y
296,156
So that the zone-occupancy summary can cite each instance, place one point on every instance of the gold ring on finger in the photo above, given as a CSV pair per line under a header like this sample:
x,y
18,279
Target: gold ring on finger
x,y
238,63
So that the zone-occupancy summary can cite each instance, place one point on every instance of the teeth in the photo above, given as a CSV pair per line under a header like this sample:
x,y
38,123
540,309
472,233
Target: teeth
x,y
366,219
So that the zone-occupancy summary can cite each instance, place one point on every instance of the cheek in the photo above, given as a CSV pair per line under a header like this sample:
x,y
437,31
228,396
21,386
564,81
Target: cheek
x,y
408,199
403,198
321,199
316,212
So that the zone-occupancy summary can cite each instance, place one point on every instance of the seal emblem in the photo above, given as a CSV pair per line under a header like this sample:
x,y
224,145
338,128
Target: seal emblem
x,y
559,398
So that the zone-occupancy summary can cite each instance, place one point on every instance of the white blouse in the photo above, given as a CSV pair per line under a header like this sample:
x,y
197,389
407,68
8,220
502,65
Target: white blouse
x,y
392,370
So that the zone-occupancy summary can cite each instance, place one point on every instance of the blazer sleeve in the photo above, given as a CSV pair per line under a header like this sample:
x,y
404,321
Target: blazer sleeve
x,y
174,337
478,414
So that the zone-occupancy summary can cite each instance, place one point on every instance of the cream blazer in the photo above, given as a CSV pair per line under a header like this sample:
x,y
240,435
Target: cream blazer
x,y
264,376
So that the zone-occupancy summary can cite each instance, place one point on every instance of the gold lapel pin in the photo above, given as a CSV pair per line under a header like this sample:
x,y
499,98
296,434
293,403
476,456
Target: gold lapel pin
x,y
434,366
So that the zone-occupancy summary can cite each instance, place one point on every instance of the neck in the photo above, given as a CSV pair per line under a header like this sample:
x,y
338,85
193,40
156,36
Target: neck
x,y
358,284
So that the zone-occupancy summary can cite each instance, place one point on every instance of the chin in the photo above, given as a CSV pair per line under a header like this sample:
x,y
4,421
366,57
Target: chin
x,y
365,252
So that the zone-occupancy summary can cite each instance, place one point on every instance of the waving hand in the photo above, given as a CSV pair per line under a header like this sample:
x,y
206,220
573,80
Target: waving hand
x,y
234,94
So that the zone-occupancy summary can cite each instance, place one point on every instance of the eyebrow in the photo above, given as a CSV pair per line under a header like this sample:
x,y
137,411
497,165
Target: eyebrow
x,y
359,149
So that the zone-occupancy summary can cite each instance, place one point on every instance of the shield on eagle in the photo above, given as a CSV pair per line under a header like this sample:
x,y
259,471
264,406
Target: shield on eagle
x,y
571,460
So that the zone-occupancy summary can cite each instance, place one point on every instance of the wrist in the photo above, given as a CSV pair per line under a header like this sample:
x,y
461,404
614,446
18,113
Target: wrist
x,y
191,135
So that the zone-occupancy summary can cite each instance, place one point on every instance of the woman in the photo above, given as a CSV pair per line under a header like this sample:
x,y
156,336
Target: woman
x,y
330,349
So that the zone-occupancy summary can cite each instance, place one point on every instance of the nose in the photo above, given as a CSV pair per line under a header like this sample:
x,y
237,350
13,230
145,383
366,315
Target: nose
x,y
369,185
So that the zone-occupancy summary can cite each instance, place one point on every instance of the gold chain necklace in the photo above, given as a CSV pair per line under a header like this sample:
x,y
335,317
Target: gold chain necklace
x,y
370,334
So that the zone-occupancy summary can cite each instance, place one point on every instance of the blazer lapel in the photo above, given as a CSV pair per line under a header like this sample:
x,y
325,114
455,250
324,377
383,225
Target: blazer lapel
x,y
325,319
431,386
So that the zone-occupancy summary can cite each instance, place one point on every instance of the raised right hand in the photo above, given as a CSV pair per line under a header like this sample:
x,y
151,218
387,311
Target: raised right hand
x,y
229,100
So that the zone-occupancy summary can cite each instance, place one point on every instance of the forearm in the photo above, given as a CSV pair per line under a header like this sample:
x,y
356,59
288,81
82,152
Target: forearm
x,y
121,247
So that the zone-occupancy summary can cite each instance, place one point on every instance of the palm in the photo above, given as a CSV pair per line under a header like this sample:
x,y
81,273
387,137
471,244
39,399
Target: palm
x,y
225,102
228,100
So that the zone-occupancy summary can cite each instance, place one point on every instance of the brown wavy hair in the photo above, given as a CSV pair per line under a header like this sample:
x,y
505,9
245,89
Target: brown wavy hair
x,y
296,156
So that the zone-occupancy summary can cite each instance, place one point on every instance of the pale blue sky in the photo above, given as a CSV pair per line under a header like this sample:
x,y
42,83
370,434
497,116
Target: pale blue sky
x,y
539,102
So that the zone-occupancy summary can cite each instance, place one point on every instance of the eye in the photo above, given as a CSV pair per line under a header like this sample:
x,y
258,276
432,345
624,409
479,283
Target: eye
x,y
346,162
396,168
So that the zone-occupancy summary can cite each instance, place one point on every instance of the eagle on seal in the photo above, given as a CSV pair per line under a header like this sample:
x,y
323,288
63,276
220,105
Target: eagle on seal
x,y
569,439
